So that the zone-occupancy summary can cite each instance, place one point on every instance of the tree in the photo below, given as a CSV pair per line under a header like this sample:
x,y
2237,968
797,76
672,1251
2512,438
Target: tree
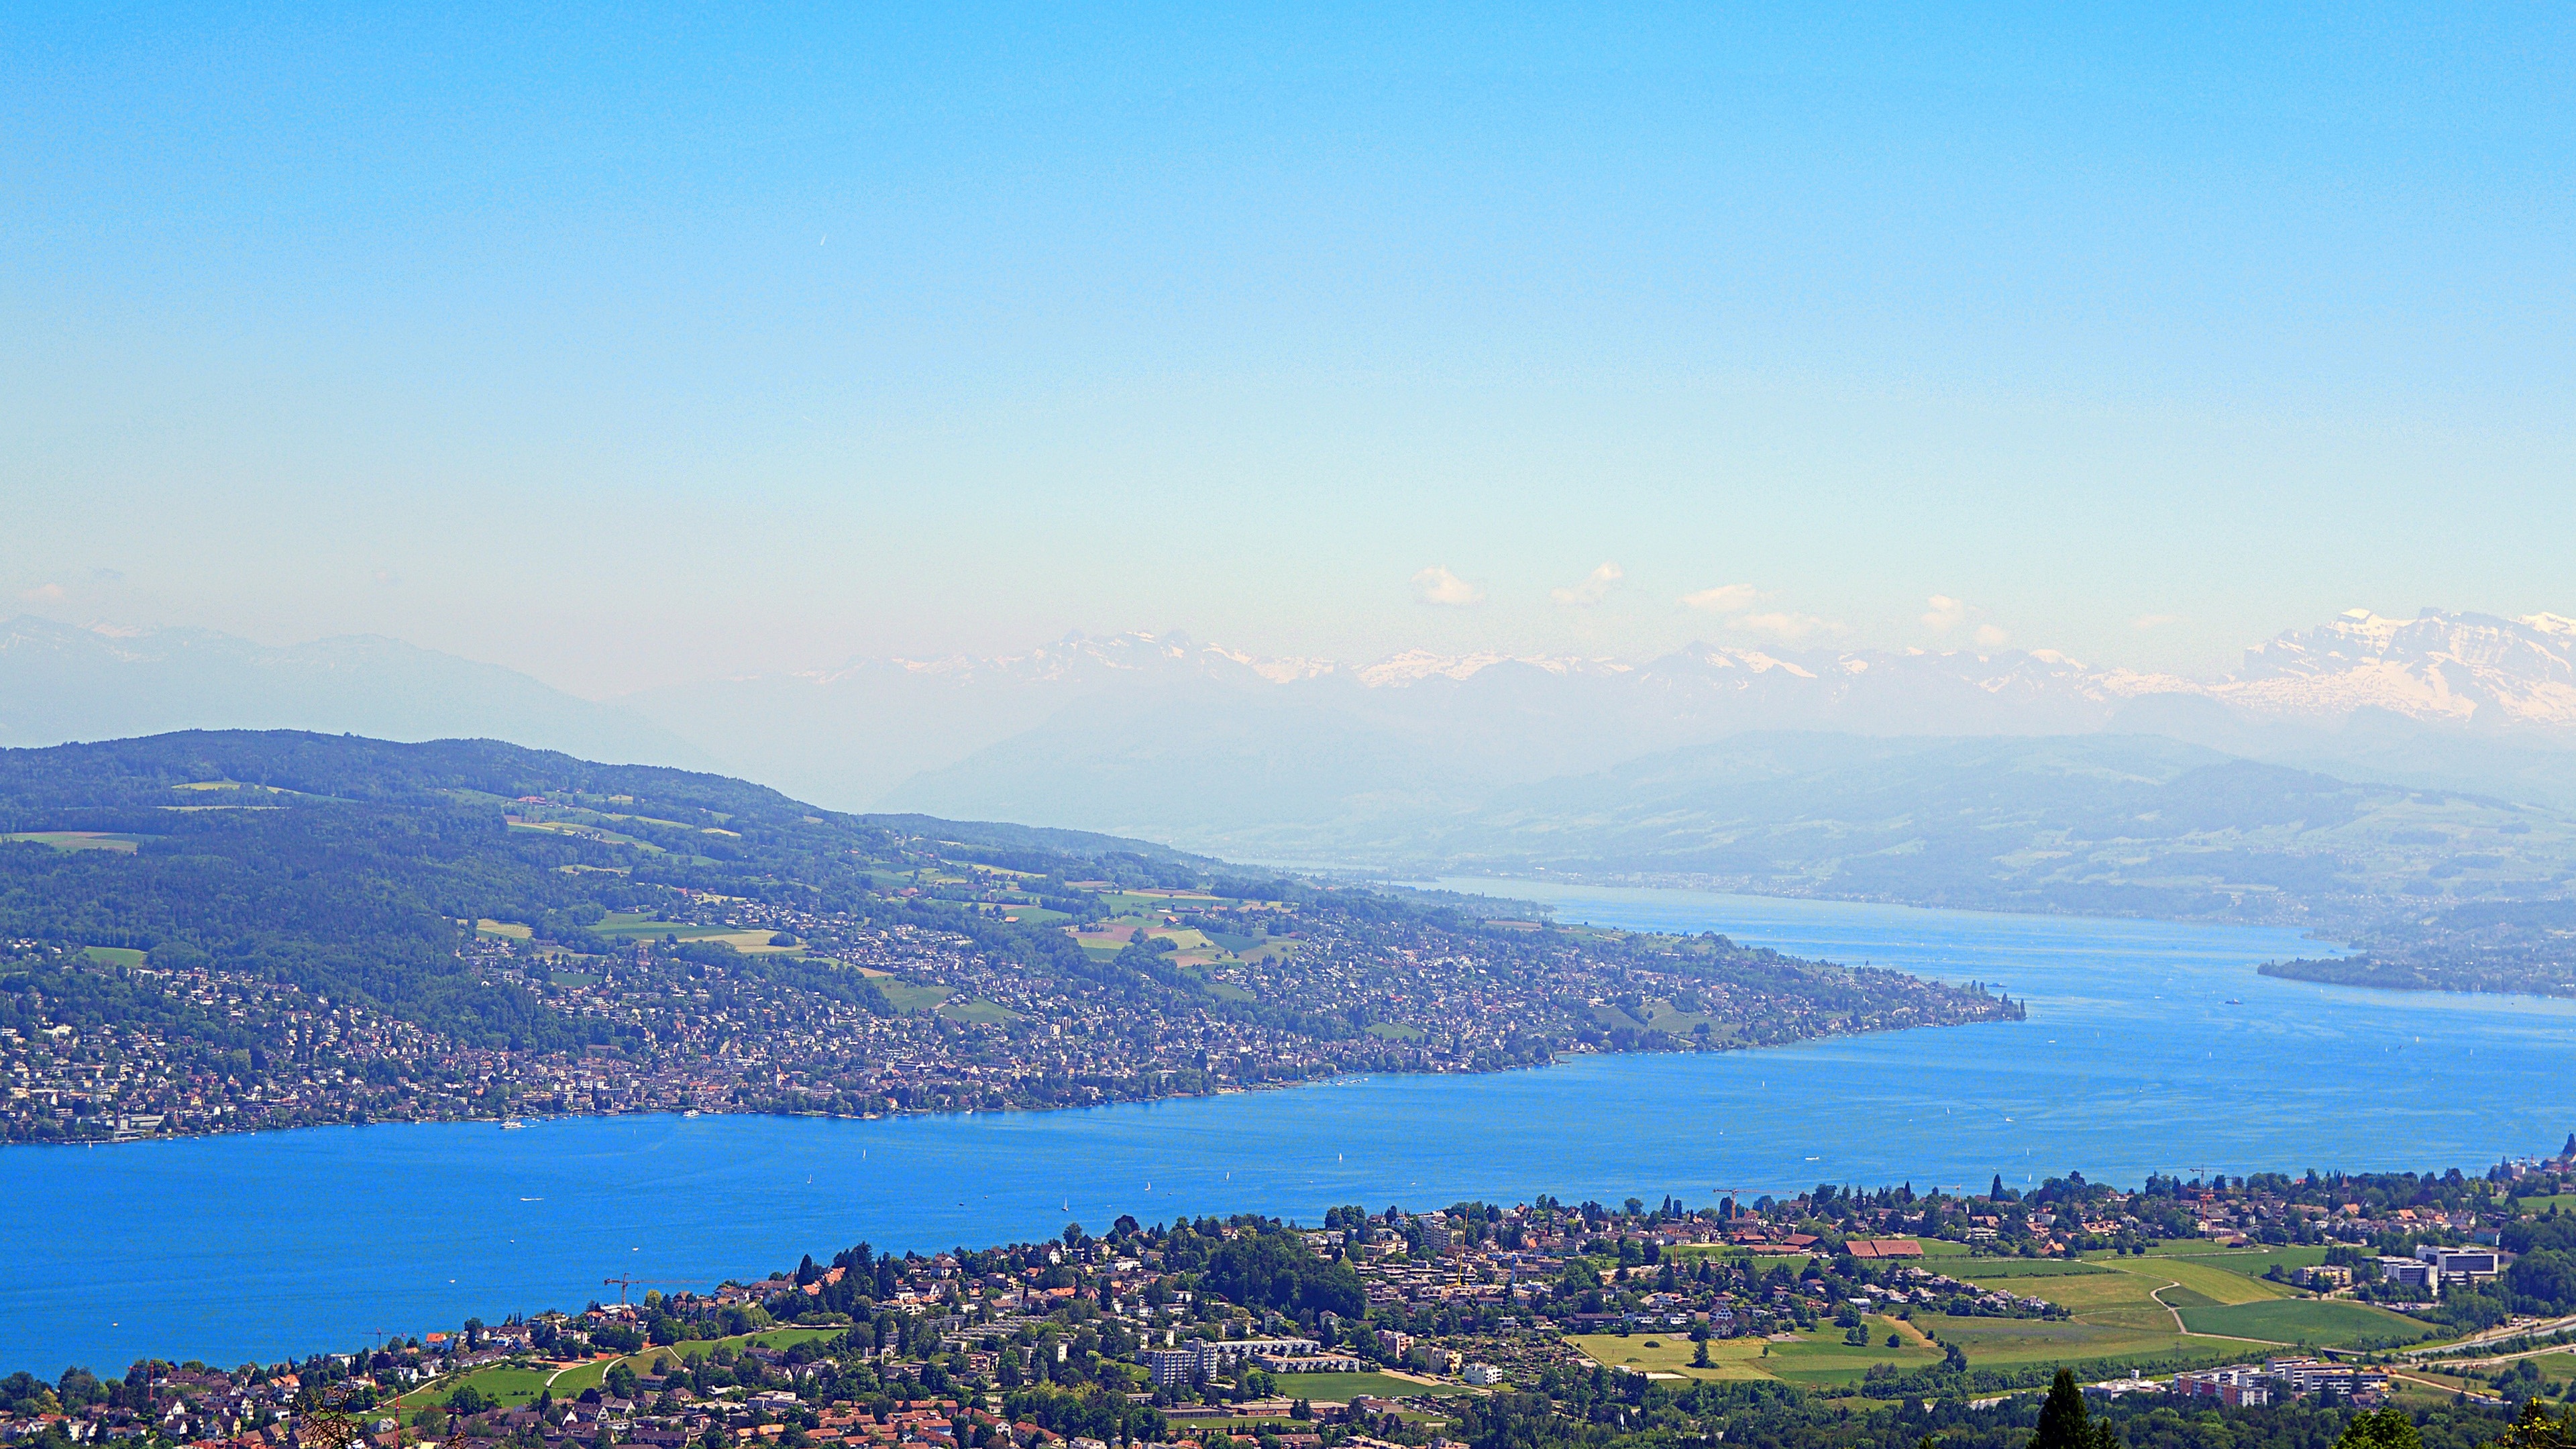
x,y
2064,1424
2534,1429
2388,1428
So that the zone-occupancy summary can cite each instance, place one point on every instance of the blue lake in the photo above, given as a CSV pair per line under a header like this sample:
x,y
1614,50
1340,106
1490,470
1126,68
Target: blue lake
x,y
2132,1061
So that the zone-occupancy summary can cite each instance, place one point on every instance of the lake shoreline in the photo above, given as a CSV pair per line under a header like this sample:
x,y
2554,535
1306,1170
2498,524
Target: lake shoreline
x,y
2131,1061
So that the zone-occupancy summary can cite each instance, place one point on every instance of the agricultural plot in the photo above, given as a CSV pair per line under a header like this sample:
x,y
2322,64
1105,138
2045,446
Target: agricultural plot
x,y
1342,1388
578,831
1139,916
2322,1322
2131,1306
1733,1359
1818,1359
113,955
2249,1262
2218,1285
2000,1272
907,997
2101,1333
78,840
1822,1359
508,1384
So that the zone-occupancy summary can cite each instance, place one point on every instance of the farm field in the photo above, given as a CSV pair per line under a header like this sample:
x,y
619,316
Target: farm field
x,y
908,997
2113,1331
629,925
2124,1306
2324,1322
77,840
1822,1360
506,1383
2218,1285
113,955
1999,1271
2250,1262
1818,1359
1659,1353
1139,915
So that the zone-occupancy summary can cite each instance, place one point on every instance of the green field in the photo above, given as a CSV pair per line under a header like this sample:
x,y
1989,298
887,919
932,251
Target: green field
x,y
510,1384
979,1012
566,827
1821,1359
113,955
2116,1303
2321,1321
2126,1306
77,840
907,997
1818,1358
2110,1332
1662,1353
1996,1270
1342,1388
2218,1285
2251,1262
631,924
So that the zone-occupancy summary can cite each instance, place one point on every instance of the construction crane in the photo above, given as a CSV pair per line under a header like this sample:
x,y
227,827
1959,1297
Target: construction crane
x,y
1734,1198
622,1284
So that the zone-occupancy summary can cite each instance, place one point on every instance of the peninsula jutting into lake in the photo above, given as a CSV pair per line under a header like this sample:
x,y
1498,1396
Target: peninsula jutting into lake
x,y
227,932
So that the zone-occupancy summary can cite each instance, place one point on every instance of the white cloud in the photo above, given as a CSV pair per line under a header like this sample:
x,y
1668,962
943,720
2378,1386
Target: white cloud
x,y
1595,587
1786,626
1724,599
42,592
2156,621
1436,585
1990,637
1945,614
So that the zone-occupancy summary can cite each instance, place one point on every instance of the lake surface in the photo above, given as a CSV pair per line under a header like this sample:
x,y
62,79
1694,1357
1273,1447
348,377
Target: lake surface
x,y
2132,1061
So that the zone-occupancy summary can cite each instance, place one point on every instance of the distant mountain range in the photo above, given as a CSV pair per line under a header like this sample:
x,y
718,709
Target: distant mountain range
x,y
60,682
1168,737
2407,785
1417,758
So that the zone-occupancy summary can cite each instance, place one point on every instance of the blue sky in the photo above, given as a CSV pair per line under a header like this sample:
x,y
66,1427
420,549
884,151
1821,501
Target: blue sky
x,y
630,346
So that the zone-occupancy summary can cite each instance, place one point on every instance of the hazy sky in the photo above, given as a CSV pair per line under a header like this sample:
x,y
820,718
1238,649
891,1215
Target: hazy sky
x,y
628,348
